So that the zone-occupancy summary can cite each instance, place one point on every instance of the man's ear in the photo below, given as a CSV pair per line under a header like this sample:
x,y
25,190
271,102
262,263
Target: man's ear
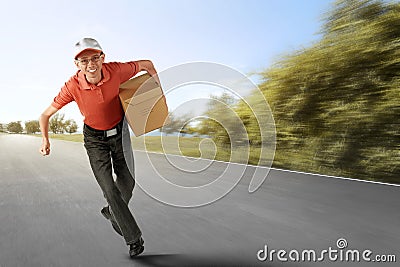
x,y
76,63
103,56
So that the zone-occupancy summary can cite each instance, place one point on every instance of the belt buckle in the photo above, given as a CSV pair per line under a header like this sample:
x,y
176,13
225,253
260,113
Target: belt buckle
x,y
111,132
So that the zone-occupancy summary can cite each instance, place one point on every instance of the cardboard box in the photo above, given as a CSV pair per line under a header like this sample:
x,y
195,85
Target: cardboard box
x,y
144,104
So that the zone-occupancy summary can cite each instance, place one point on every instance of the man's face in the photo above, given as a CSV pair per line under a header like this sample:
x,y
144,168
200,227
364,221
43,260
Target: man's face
x,y
90,62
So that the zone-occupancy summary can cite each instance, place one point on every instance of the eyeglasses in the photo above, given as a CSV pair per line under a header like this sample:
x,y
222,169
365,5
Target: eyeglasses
x,y
86,61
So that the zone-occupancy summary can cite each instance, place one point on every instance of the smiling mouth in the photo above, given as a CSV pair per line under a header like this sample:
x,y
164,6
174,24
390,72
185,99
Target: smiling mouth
x,y
92,70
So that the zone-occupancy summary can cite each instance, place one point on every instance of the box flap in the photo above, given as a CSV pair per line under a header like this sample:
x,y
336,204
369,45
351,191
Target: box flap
x,y
137,85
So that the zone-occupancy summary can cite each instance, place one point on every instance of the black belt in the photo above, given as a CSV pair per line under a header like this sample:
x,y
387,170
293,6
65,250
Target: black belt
x,y
105,133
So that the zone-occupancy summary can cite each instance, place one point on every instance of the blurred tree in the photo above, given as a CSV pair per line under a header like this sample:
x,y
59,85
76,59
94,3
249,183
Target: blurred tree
x,y
191,129
176,125
221,120
32,127
336,104
15,127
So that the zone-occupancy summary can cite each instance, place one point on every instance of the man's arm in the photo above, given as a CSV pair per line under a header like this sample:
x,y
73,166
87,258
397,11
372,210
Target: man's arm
x,y
44,128
147,65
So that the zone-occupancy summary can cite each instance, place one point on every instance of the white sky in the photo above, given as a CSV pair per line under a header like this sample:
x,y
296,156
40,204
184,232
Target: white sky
x,y
37,39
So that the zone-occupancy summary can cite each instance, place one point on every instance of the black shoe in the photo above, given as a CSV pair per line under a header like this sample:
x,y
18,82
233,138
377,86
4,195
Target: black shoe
x,y
136,248
107,214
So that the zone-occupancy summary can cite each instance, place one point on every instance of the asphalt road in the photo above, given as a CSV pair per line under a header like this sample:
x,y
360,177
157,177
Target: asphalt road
x,y
49,215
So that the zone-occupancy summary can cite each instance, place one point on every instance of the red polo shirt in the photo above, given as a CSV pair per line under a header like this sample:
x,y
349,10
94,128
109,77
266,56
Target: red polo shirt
x,y
99,104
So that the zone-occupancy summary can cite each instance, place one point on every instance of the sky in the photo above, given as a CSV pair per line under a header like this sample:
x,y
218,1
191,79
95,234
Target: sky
x,y
38,37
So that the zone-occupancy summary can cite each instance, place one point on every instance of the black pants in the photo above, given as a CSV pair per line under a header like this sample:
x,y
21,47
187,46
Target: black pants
x,y
106,154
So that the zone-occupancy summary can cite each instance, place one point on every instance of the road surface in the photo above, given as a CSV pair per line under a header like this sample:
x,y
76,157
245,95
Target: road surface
x,y
50,215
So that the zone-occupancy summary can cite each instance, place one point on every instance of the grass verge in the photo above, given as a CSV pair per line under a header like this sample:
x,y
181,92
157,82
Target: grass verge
x,y
187,146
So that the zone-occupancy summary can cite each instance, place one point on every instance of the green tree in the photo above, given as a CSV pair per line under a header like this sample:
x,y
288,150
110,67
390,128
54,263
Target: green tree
x,y
57,123
32,127
15,127
70,126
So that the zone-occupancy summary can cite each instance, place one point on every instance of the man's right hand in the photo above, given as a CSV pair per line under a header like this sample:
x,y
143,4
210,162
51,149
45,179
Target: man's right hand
x,y
44,129
45,148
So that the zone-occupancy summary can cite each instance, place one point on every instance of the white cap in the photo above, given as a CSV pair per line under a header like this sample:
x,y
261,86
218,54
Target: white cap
x,y
87,44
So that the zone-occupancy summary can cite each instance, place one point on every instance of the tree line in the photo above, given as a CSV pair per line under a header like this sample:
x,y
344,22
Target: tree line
x,y
336,103
57,125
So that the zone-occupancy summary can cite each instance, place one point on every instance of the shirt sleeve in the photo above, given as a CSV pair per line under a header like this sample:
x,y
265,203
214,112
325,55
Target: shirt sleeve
x,y
64,97
128,70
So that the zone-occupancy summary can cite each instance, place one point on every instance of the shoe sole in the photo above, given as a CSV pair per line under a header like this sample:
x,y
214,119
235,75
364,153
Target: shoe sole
x,y
137,253
140,251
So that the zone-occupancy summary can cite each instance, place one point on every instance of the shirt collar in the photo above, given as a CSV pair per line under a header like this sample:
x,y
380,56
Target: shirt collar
x,y
87,86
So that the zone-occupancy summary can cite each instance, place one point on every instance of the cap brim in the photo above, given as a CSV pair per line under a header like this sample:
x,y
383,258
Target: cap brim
x,y
87,49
